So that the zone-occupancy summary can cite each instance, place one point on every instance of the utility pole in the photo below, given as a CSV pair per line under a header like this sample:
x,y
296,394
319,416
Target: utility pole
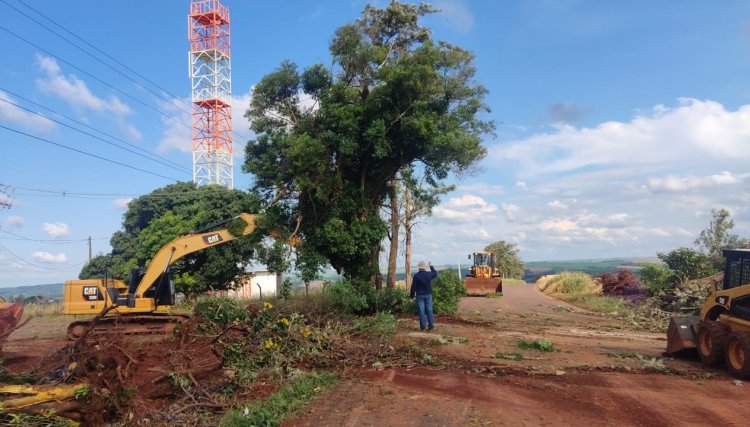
x,y
89,248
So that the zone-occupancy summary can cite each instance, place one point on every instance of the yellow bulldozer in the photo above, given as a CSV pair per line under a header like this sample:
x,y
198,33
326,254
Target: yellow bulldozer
x,y
144,304
721,334
483,278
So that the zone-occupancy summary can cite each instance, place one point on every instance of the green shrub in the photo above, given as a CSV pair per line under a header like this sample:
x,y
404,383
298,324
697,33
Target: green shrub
x,y
360,298
381,325
538,345
570,283
447,290
657,278
353,297
221,310
393,300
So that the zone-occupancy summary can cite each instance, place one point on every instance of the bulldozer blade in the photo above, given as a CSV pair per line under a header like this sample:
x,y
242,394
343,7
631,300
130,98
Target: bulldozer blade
x,y
483,285
681,333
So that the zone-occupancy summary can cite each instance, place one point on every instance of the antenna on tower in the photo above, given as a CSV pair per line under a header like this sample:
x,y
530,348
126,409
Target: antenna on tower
x,y
211,78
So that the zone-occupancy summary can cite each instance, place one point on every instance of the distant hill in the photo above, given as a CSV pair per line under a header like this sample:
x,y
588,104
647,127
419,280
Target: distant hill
x,y
594,267
50,291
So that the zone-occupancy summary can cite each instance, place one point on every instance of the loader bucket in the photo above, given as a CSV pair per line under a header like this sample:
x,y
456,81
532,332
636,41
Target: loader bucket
x,y
10,315
483,285
681,333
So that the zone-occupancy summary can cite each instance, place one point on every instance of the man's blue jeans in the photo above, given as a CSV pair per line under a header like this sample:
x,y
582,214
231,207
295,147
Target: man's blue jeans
x,y
424,306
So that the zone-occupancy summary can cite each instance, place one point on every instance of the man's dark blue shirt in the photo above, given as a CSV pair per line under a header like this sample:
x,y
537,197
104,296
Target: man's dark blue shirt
x,y
422,283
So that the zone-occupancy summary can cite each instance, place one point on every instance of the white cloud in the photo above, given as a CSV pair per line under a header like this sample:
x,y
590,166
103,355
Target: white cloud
x,y
692,133
14,221
12,114
75,91
466,208
6,200
658,231
557,205
456,14
47,257
56,229
482,188
619,217
673,183
511,211
121,203
77,94
521,185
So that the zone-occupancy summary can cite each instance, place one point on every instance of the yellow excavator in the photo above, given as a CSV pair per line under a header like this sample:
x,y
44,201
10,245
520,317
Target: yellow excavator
x,y
721,334
483,277
143,305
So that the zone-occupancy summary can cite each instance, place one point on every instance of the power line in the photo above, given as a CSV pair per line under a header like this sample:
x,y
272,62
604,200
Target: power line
x,y
62,193
54,241
23,260
111,58
108,56
113,68
93,77
2,89
91,135
86,153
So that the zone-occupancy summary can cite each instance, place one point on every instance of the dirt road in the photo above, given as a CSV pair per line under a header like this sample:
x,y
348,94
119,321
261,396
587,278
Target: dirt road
x,y
602,372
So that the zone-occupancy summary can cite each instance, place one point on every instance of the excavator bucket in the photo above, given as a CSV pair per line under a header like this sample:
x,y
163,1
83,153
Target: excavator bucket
x,y
681,333
483,285
10,315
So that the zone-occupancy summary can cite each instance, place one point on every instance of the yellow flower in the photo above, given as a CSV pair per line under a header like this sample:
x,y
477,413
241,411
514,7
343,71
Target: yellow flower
x,y
269,344
284,321
306,332
267,305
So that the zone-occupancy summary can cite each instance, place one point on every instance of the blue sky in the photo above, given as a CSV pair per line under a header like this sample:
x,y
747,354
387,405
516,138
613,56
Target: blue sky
x,y
621,124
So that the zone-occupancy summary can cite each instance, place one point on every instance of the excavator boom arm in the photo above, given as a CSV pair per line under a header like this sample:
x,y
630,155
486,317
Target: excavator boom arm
x,y
186,245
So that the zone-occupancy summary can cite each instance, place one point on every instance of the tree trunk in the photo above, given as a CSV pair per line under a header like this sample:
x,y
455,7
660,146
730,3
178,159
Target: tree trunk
x,y
393,251
377,278
407,237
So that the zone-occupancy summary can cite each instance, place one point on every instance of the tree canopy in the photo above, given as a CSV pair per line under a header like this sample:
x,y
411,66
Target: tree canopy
x,y
330,140
717,237
507,260
154,219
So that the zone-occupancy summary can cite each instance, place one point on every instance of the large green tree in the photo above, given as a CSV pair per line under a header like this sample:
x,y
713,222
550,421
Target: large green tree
x,y
717,237
394,98
507,260
154,219
686,264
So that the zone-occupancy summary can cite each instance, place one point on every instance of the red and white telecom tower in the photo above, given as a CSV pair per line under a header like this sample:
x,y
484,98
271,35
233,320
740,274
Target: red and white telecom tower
x,y
211,77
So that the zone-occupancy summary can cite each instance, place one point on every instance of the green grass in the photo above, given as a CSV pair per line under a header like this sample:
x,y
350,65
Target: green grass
x,y
382,325
596,303
513,282
280,405
622,355
508,356
537,345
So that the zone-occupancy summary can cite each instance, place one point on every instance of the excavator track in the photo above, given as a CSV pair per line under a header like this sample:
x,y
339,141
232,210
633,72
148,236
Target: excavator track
x,y
133,324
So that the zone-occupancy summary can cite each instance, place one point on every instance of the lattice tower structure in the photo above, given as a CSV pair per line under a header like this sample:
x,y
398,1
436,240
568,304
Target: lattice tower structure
x,y
211,78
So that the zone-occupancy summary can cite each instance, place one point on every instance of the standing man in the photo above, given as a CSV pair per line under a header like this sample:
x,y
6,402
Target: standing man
x,y
421,286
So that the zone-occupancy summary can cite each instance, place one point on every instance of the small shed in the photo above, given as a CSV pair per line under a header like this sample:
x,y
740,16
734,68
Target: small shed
x,y
257,285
